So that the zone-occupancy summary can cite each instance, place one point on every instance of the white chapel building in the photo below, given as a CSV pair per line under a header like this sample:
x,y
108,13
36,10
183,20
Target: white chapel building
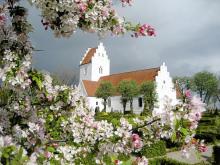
x,y
95,68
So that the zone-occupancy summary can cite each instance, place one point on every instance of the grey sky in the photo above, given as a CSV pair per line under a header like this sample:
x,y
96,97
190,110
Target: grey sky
x,y
188,39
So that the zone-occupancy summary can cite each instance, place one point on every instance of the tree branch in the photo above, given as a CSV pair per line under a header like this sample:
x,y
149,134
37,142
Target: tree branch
x,y
146,124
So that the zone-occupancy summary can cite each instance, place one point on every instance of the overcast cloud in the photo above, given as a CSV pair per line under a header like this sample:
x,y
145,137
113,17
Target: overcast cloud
x,y
188,39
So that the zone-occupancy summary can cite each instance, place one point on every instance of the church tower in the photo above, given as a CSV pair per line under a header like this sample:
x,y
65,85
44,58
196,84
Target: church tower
x,y
94,64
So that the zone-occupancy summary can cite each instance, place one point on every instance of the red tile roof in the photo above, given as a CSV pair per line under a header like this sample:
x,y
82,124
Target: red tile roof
x,y
90,87
88,57
139,76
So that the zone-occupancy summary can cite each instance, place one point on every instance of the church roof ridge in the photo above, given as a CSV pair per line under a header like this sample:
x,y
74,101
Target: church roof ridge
x,y
154,68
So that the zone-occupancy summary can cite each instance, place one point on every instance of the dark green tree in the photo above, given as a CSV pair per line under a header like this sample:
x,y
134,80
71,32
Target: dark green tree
x,y
147,89
133,92
128,90
206,85
104,91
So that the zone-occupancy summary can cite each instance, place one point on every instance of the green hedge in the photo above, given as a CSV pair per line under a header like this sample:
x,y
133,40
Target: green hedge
x,y
168,161
156,149
208,128
4,96
216,155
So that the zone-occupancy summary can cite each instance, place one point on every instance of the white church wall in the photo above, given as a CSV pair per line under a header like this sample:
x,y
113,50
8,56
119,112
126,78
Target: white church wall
x,y
116,105
82,89
137,108
164,88
95,102
85,72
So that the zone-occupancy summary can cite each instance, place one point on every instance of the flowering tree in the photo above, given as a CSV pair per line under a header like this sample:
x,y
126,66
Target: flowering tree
x,y
43,123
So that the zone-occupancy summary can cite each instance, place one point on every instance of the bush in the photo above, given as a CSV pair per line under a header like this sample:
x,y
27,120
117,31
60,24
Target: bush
x,y
216,154
172,145
156,149
168,161
208,128
4,96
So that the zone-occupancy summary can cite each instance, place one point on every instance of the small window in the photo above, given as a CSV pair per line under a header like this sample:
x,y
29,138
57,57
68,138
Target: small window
x,y
97,103
140,102
100,70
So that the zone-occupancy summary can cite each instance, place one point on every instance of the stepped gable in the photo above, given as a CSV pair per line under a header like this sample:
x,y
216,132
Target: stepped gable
x,y
88,56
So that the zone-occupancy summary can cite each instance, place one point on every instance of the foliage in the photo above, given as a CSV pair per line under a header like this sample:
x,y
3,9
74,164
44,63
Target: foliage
x,y
154,150
168,161
4,96
208,128
128,90
206,85
148,90
114,117
104,91
11,155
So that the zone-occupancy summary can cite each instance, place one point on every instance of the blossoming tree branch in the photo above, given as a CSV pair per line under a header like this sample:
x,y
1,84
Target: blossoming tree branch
x,y
45,123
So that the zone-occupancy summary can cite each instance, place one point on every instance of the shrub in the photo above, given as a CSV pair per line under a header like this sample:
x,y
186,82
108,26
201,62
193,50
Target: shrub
x,y
156,149
4,96
168,161
216,154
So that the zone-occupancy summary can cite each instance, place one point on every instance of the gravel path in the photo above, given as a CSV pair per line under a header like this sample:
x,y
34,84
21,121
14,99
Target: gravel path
x,y
193,157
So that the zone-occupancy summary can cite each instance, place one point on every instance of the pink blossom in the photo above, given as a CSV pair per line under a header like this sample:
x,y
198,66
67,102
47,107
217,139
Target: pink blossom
x,y
48,154
55,145
82,7
126,2
2,19
117,162
188,94
202,148
141,161
136,141
144,30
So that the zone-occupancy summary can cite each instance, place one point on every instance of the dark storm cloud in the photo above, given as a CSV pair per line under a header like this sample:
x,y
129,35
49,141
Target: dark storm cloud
x,y
188,39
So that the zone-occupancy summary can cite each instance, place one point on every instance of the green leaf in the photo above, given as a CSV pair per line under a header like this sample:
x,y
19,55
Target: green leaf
x,y
173,137
184,131
50,149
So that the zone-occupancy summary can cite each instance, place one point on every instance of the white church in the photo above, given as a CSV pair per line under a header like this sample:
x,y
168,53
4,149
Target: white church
x,y
95,68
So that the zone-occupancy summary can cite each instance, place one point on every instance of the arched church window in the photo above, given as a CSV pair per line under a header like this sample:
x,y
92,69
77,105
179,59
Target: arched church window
x,y
140,102
100,70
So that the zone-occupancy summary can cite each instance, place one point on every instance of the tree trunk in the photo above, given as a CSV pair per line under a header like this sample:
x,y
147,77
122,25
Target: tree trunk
x,y
145,105
124,106
205,98
218,98
104,105
131,105
200,94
